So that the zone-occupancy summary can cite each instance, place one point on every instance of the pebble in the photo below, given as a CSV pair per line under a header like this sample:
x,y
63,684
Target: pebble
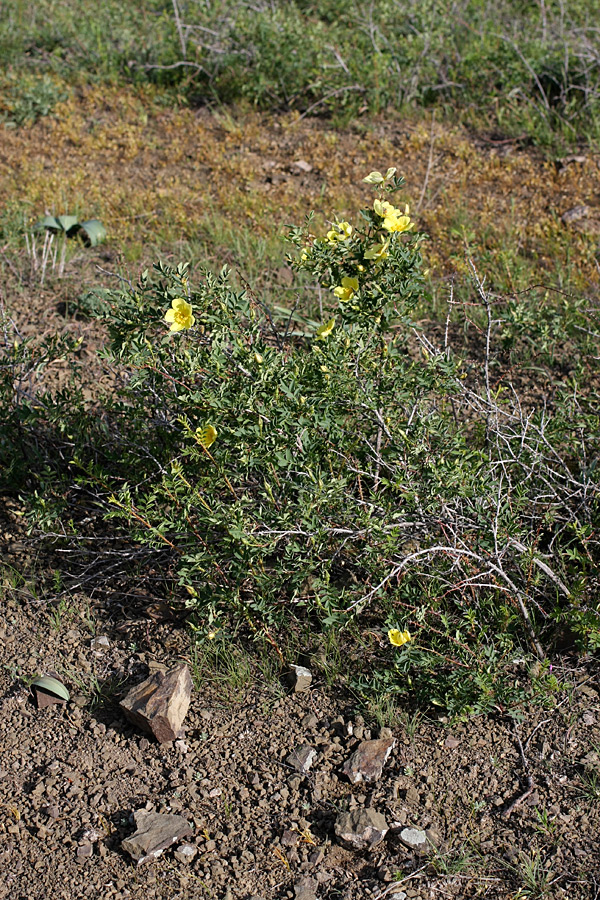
x,y
360,828
302,758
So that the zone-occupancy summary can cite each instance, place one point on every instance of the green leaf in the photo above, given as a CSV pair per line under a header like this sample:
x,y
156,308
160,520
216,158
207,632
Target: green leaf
x,y
49,222
94,232
51,686
69,224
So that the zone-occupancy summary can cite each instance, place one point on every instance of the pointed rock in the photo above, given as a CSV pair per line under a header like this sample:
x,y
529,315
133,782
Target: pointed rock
x,y
368,760
155,832
159,704
300,678
360,828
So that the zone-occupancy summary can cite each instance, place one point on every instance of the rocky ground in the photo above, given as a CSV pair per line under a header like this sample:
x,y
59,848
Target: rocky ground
x,y
483,808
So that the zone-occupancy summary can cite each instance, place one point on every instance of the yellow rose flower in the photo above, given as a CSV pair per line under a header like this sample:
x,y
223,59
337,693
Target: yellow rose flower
x,y
341,231
206,435
325,330
397,223
346,290
398,638
179,317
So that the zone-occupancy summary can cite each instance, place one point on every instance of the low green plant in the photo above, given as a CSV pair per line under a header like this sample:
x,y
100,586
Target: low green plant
x,y
347,471
28,97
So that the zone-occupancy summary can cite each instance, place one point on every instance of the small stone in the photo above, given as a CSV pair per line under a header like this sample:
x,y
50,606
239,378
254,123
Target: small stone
x,y
53,812
299,166
302,758
360,828
289,838
305,888
44,699
100,643
412,796
85,851
160,703
309,721
301,679
155,832
80,700
368,760
433,837
185,853
451,742
573,215
414,839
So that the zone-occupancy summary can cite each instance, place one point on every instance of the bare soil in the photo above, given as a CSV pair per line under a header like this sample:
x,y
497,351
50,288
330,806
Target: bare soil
x,y
70,778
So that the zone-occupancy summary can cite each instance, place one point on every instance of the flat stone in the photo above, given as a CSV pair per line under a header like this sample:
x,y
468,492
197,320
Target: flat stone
x,y
368,760
300,165
160,703
44,699
302,759
155,832
573,215
360,828
414,839
305,888
289,838
85,851
300,678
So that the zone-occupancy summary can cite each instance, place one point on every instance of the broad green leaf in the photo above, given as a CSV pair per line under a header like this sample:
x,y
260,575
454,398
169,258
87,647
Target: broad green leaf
x,y
94,232
51,686
68,223
49,222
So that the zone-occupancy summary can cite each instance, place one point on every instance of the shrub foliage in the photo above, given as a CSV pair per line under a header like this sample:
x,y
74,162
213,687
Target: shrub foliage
x,y
315,474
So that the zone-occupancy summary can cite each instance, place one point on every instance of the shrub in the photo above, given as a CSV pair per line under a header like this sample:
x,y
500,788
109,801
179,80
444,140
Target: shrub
x,y
350,470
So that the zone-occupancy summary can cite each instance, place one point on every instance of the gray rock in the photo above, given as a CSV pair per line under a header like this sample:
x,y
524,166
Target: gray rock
x,y
368,760
301,679
155,832
360,828
573,215
305,888
414,839
302,758
185,853
101,642
299,166
160,703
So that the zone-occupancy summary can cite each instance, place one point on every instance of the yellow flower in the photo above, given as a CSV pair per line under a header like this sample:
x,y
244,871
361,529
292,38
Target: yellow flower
x,y
398,638
384,208
378,252
206,436
325,330
393,219
258,357
179,317
341,231
374,178
346,290
394,222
